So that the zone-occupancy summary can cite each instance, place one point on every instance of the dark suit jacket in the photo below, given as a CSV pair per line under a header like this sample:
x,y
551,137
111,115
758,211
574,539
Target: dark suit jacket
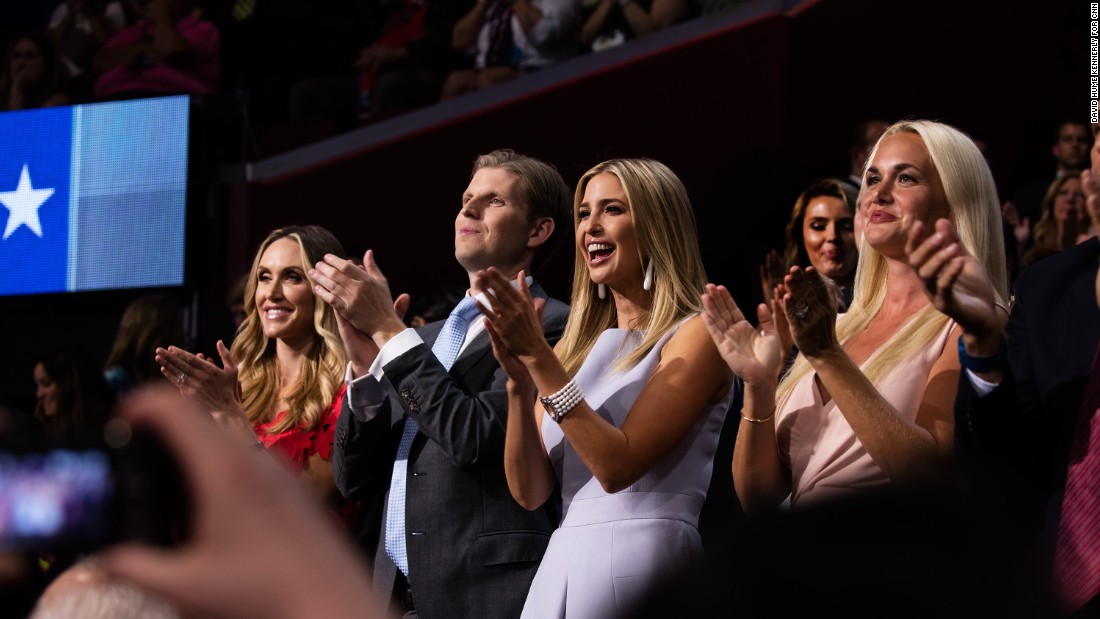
x,y
1016,439
472,549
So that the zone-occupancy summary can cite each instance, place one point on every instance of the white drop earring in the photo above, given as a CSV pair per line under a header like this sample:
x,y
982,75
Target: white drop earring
x,y
601,290
647,283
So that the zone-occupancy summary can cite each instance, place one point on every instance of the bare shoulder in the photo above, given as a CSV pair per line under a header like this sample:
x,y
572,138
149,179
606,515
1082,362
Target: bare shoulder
x,y
691,339
692,351
692,342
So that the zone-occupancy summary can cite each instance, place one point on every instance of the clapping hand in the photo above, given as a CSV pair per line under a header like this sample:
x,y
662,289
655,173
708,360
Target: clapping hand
x,y
215,389
361,295
199,378
811,308
954,280
753,354
772,272
514,315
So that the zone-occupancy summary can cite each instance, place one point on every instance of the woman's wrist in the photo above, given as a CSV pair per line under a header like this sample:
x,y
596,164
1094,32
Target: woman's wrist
x,y
825,354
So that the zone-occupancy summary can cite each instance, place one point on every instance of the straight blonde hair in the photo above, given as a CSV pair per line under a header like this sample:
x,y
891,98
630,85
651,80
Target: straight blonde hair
x,y
665,227
974,210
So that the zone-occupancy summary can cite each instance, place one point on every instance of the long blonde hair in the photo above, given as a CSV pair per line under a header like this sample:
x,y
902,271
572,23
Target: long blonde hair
x,y
322,374
665,227
974,210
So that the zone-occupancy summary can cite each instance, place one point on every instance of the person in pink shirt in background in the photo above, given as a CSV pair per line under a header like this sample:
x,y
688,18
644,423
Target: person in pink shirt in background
x,y
170,50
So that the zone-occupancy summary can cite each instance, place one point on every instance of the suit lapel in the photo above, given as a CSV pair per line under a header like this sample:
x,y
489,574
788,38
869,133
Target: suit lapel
x,y
480,346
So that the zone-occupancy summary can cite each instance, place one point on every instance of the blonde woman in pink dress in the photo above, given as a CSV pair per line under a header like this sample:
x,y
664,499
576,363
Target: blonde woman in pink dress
x,y
868,405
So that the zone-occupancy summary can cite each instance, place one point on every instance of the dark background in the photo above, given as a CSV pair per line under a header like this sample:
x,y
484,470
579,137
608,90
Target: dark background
x,y
746,112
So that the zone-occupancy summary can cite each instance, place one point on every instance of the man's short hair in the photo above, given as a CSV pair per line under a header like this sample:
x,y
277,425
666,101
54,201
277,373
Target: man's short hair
x,y
543,189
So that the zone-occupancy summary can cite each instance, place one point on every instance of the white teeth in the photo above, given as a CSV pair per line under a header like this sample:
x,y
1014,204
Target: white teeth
x,y
275,313
598,246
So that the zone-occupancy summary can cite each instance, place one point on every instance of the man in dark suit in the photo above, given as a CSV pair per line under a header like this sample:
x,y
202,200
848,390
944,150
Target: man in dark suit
x,y
1020,400
468,549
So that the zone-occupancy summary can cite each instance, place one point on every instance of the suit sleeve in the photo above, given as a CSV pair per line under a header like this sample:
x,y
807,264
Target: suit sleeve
x,y
466,420
1002,438
363,452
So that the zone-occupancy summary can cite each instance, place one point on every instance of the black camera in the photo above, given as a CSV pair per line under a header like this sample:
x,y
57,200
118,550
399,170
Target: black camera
x,y
82,495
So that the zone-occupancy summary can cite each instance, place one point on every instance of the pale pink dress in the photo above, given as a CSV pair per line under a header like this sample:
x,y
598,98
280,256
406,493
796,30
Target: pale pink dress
x,y
826,460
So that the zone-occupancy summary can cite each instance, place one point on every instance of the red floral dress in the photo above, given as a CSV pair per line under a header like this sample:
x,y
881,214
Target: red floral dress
x,y
297,445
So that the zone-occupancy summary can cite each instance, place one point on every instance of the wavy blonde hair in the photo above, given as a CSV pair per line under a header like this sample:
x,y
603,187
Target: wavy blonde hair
x,y
974,210
665,227
323,373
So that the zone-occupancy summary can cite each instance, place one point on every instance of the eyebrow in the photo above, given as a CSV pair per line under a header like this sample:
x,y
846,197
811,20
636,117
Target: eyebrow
x,y
897,167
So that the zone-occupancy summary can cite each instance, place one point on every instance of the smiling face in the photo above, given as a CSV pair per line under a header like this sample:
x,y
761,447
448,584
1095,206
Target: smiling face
x,y
492,228
606,235
284,296
829,237
46,391
902,187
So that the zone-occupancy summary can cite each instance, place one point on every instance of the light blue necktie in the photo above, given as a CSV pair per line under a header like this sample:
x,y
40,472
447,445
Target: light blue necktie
x,y
446,349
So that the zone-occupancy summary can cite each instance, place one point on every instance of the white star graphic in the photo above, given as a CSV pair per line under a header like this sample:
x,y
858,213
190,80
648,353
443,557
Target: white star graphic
x,y
23,205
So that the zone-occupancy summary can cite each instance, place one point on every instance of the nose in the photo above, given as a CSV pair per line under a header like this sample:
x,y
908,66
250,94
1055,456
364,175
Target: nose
x,y
593,223
882,193
470,210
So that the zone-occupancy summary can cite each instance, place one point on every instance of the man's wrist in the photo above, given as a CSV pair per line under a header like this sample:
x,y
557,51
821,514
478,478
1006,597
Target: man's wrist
x,y
387,332
980,346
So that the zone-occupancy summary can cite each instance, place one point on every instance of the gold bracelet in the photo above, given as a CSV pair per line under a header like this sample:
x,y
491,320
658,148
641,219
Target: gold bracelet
x,y
751,420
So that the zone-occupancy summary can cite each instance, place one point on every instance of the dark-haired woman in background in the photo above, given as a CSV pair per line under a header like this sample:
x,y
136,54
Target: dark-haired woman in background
x,y
821,234
32,75
73,400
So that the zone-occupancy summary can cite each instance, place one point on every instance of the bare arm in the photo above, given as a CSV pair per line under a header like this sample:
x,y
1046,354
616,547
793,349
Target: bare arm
x,y
595,21
689,377
909,452
527,13
760,478
466,29
661,15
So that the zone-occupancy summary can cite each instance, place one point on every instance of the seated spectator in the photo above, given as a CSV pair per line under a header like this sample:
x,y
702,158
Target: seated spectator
x,y
169,50
32,76
80,27
1063,222
149,322
1070,142
402,66
609,23
73,399
508,38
